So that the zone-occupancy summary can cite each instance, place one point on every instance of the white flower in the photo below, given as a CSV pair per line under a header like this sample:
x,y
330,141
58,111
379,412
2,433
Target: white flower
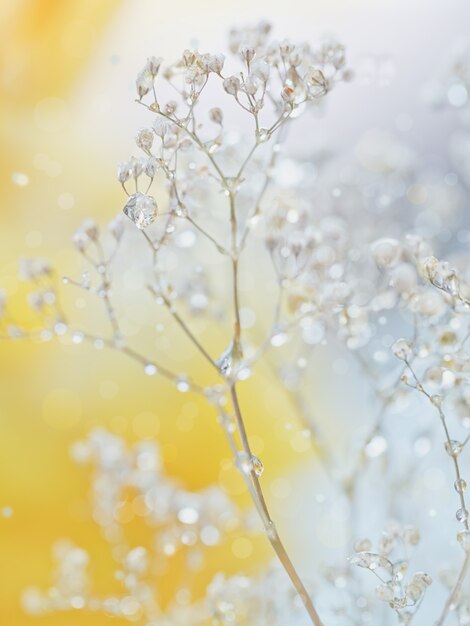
x,y
123,172
402,349
215,63
232,85
144,139
144,82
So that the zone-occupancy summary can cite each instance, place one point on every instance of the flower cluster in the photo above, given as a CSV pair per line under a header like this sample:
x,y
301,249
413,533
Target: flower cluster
x,y
401,594
128,486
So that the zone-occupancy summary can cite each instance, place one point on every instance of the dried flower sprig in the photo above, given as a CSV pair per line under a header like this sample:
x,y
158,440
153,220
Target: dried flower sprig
x,y
403,597
274,84
204,189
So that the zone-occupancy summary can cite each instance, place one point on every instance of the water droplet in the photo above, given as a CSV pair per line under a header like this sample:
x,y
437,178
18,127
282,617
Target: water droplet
x,y
225,361
257,465
77,337
453,448
182,384
150,369
231,185
262,135
244,462
60,328
462,515
141,209
460,485
463,538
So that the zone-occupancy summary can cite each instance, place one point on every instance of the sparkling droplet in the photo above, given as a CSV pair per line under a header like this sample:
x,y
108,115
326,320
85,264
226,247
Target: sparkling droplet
x,y
257,465
436,400
247,464
244,463
183,384
462,515
225,364
262,135
141,209
463,538
150,369
453,448
460,485
225,361
231,185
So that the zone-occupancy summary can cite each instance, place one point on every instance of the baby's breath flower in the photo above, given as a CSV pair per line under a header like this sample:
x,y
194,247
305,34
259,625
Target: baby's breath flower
x,y
216,63
216,115
402,349
232,85
144,139
123,172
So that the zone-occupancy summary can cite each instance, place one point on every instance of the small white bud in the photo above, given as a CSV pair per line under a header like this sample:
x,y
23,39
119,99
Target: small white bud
x,y
116,227
153,65
160,127
232,85
90,228
144,82
80,240
261,69
144,139
216,115
247,53
216,62
123,172
151,167
402,349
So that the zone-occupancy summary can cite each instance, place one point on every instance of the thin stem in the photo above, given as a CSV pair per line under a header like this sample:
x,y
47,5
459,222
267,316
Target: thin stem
x,y
140,358
253,484
182,324
270,527
450,602
236,299
449,444
208,236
